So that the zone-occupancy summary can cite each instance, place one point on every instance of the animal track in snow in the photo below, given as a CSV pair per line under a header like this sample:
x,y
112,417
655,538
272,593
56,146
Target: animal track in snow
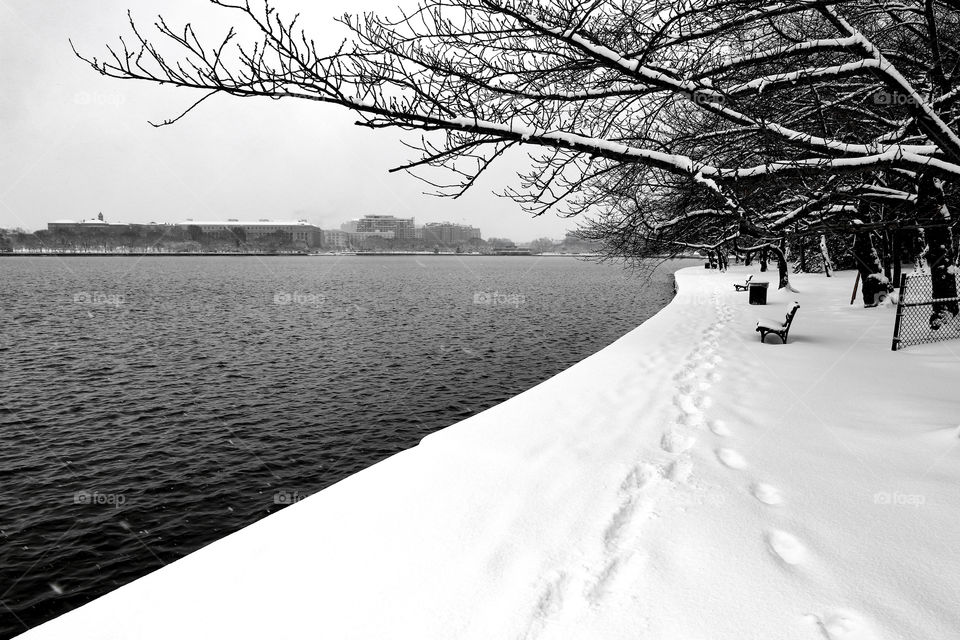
x,y
731,458
719,427
767,494
786,547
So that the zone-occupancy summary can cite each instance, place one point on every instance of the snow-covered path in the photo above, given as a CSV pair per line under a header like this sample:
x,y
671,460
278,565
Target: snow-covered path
x,y
685,483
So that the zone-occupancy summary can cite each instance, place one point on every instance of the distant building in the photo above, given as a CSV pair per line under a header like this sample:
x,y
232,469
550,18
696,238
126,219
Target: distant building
x,y
448,233
297,232
350,226
402,228
335,239
98,224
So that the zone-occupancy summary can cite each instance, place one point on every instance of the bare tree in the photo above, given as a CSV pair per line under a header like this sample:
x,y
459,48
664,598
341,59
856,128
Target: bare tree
x,y
715,124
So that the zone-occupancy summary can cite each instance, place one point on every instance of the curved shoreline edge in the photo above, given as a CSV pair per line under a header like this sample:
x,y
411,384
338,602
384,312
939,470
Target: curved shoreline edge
x,y
684,481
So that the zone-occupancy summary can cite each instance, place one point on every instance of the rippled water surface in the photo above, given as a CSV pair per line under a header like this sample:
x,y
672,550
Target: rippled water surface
x,y
152,405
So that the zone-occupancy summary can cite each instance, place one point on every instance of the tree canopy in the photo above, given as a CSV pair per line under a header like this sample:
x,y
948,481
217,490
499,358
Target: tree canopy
x,y
709,124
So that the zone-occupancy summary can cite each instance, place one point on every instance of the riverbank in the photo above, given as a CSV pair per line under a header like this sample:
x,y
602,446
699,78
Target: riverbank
x,y
224,254
685,482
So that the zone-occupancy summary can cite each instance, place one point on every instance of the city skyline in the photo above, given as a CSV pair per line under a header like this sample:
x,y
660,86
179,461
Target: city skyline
x,y
81,144
342,225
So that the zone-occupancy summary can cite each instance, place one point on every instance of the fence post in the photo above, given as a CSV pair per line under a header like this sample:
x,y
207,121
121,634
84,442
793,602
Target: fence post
x,y
896,323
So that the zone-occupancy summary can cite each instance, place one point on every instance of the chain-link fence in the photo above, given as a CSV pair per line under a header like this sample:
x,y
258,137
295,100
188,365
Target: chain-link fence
x,y
917,310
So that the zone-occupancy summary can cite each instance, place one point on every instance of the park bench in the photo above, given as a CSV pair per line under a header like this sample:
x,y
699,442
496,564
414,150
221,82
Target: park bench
x,y
743,287
780,329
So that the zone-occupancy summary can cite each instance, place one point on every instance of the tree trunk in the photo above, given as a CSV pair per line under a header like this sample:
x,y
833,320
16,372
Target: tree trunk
x,y
721,259
827,268
782,267
939,250
874,284
887,257
897,258
748,258
763,259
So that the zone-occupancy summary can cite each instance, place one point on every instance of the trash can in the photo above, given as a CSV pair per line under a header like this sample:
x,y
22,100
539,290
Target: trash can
x,y
758,292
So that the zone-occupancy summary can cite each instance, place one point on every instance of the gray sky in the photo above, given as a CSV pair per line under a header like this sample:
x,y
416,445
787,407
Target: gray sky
x,y
73,144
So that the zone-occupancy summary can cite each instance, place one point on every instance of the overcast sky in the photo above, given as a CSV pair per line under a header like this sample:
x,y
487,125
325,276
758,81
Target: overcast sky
x,y
73,144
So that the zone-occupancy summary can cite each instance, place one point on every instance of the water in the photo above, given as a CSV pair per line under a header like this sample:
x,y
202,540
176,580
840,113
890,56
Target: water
x,y
152,405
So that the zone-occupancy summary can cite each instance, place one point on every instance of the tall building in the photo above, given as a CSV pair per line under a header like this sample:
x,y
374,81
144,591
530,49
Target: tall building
x,y
402,228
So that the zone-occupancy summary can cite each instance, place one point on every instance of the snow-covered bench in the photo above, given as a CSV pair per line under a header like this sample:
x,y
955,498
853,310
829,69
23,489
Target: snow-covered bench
x,y
745,285
780,329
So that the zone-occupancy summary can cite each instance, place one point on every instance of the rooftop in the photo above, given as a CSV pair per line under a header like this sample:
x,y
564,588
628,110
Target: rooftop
x,y
247,223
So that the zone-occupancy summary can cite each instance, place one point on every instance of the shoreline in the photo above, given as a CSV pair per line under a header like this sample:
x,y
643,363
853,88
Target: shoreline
x,y
685,481
151,254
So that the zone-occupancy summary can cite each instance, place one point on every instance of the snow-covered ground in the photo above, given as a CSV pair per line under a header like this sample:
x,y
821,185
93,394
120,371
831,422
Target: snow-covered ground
x,y
685,483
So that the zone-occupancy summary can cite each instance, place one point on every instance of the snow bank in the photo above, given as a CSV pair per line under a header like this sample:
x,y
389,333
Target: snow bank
x,y
686,483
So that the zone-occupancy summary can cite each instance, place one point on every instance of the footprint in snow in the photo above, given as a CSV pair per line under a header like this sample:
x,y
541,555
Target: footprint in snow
x,y
676,442
549,603
640,476
767,494
690,420
786,547
731,458
680,469
685,387
843,625
620,570
688,371
719,427
686,404
621,520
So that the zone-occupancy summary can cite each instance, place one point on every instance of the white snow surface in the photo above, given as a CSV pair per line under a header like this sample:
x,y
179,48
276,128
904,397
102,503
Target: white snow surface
x,y
685,483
